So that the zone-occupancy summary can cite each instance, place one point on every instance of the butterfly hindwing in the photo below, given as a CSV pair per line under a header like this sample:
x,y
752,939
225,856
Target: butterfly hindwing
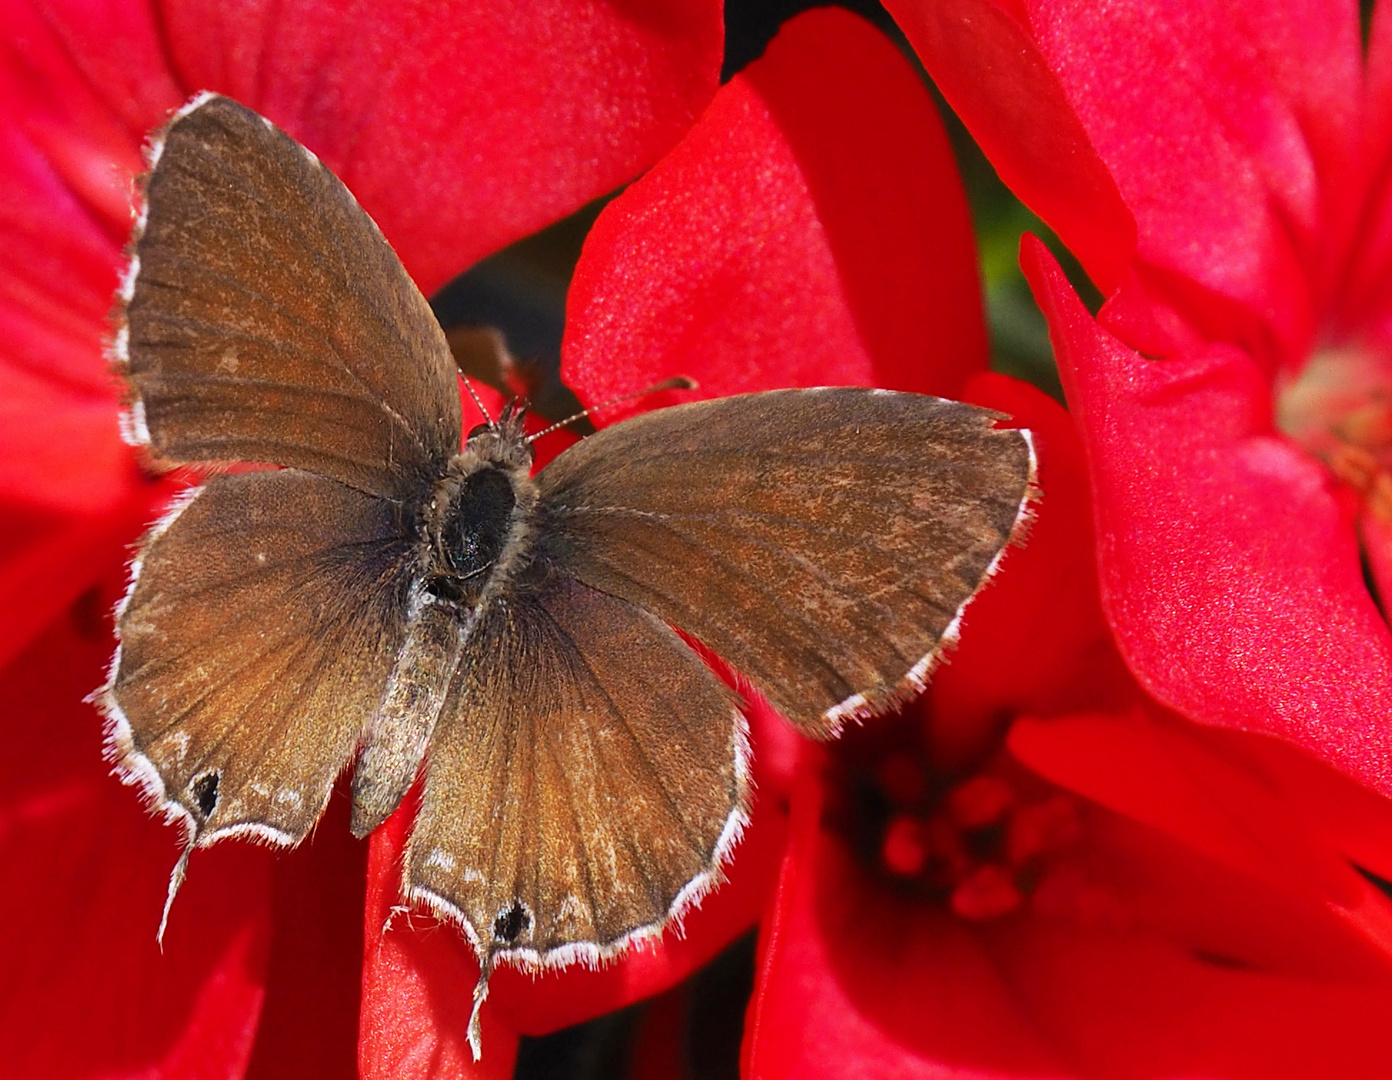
x,y
264,318
587,773
265,616
821,541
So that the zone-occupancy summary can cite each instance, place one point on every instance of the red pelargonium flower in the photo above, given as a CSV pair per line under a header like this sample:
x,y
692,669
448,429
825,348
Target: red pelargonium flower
x,y
749,258
1041,872
1222,172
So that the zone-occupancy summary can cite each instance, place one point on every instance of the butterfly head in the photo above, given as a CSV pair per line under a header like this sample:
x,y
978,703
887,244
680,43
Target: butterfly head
x,y
502,443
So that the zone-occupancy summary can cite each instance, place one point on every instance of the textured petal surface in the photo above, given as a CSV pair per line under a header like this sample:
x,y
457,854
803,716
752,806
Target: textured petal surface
x,y
1229,569
1231,134
1022,116
88,991
810,230
459,131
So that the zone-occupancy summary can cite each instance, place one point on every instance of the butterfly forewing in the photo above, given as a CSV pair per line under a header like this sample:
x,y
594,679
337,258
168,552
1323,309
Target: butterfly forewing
x,y
264,318
262,624
822,541
586,773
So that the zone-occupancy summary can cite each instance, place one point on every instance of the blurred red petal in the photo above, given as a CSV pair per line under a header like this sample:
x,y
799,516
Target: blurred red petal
x,y
48,560
854,979
87,990
309,1022
1375,535
659,1050
1229,572
1214,803
1136,1005
1349,816
1178,966
810,229
1370,296
1022,117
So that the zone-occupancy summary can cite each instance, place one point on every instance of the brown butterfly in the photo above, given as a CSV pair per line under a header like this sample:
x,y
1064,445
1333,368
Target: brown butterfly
x,y
386,598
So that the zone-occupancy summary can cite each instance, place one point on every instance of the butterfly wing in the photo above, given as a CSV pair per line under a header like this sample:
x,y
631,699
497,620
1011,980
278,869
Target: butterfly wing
x,y
264,618
264,318
822,541
585,779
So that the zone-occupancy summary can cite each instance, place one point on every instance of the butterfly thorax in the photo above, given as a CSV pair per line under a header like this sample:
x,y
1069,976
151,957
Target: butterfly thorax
x,y
475,526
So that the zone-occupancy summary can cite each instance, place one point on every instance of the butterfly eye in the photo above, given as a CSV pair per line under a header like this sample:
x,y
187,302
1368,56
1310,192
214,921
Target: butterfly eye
x,y
478,429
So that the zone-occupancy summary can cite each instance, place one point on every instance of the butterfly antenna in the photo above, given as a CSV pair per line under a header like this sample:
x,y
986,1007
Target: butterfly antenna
x,y
676,382
470,387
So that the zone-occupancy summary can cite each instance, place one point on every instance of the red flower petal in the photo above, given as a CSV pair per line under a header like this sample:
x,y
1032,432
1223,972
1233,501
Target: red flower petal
x,y
1348,816
1133,1004
1164,964
417,990
1229,572
459,130
87,990
48,560
309,1023
1023,119
463,128
1230,131
1217,804
811,229
856,980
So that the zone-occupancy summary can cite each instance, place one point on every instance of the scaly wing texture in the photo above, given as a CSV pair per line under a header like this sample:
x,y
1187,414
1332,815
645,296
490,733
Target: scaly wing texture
x,y
263,621
822,541
264,317
586,779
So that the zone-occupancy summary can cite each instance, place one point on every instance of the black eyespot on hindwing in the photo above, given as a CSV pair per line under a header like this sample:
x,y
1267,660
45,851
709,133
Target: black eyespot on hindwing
x,y
205,793
511,923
